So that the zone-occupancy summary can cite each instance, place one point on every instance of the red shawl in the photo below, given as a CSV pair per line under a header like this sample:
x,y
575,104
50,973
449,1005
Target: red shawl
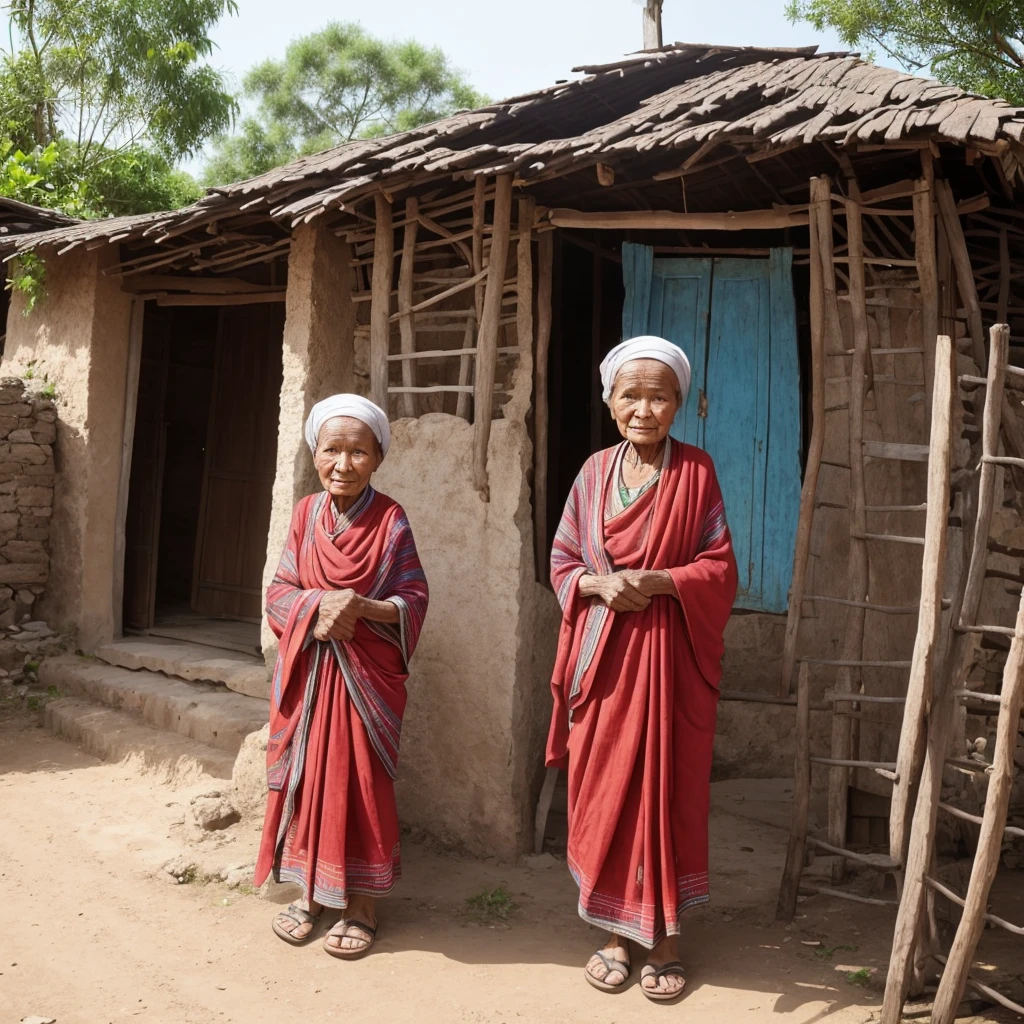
x,y
336,707
635,694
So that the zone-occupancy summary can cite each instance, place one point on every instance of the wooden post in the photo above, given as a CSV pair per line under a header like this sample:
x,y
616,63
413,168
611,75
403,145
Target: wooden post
x,y
545,274
986,858
853,642
597,407
820,189
406,282
920,686
922,836
487,336
652,24
1002,315
927,272
786,908
962,262
131,398
999,351
466,363
380,301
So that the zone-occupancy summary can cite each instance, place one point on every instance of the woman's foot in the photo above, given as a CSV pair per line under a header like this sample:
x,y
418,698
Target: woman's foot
x,y
296,923
662,976
349,936
601,967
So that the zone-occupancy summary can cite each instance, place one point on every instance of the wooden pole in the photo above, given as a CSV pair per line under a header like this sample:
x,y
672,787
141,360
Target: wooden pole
x,y
380,303
545,275
853,642
652,24
131,398
999,342
962,263
671,220
820,199
986,857
786,908
1002,306
920,686
922,836
927,272
487,340
406,282
479,209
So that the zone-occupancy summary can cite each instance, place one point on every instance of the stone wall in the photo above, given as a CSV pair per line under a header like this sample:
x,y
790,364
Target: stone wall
x,y
27,433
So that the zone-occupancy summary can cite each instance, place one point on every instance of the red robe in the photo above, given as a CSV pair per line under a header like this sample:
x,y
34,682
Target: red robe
x,y
336,707
636,693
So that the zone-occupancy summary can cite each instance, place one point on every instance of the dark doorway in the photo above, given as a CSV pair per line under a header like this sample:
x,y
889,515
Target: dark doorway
x,y
203,465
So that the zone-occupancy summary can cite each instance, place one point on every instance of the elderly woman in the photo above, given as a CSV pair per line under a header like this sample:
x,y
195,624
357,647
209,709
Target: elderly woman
x,y
347,604
644,570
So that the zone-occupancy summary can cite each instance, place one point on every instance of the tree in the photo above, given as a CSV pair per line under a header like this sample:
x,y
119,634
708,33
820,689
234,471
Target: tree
x,y
112,93
334,86
977,45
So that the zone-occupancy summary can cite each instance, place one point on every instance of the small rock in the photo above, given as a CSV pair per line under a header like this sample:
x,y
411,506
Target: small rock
x,y
213,811
239,876
727,918
810,942
21,690
38,1020
38,626
180,869
539,861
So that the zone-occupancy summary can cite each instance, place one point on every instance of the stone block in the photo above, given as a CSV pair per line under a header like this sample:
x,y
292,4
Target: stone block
x,y
25,551
9,394
26,596
44,433
8,503
33,514
42,475
9,486
23,572
8,521
34,532
249,778
7,424
36,496
21,436
213,811
16,409
30,454
47,416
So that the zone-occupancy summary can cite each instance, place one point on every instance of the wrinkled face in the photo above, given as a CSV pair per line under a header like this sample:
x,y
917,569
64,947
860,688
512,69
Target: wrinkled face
x,y
347,453
645,400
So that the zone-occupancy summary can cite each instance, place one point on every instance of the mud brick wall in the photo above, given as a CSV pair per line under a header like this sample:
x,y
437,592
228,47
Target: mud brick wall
x,y
27,432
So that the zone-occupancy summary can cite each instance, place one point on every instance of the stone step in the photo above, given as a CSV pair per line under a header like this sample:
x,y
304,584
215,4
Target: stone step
x,y
114,735
242,673
202,712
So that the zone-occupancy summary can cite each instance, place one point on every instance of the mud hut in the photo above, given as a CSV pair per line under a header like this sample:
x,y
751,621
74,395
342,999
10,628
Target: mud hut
x,y
795,220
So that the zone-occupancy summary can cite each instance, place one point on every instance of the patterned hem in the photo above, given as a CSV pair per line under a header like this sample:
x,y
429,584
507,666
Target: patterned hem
x,y
647,941
337,899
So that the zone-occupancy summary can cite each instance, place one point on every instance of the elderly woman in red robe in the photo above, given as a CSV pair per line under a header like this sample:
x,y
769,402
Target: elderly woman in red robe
x,y
347,604
644,570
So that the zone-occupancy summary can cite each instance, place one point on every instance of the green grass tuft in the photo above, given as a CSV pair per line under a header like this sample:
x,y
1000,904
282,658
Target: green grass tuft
x,y
492,904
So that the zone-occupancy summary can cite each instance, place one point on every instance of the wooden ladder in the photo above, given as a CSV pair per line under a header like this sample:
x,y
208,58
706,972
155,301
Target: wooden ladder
x,y
902,773
914,939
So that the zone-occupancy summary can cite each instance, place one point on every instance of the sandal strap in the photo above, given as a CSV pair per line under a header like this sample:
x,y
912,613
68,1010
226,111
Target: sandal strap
x,y
298,915
371,930
340,930
672,967
611,963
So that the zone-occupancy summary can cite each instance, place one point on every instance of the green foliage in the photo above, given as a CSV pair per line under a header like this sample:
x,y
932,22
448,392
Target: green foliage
x,y
99,98
492,904
334,86
827,952
861,978
977,45
27,277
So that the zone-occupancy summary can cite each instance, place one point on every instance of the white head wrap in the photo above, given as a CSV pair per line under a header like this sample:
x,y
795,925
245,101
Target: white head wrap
x,y
358,408
645,347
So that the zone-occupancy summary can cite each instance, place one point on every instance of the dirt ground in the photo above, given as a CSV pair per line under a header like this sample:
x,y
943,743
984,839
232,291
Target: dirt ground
x,y
96,931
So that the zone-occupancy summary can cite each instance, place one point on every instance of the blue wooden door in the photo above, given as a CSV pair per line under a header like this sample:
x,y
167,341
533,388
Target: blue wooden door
x,y
736,321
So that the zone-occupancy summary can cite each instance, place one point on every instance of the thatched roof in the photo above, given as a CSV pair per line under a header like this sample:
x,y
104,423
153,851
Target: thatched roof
x,y
17,218
684,111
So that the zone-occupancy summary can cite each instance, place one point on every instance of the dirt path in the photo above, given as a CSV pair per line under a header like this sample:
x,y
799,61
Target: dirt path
x,y
95,935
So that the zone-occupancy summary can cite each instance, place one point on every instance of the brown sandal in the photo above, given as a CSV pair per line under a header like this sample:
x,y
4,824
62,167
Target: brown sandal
x,y
674,969
299,916
340,931
611,964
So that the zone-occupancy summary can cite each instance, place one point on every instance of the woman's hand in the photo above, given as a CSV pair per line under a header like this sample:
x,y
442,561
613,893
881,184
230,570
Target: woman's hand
x,y
616,591
651,582
340,610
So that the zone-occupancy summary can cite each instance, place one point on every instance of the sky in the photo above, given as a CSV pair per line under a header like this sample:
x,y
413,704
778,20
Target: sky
x,y
509,48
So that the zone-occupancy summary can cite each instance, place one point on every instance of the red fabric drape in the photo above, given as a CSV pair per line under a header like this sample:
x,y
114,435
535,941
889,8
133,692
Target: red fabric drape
x,y
336,707
635,694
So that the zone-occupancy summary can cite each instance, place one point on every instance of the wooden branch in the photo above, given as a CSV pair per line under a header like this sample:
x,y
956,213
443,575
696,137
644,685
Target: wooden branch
x,y
459,286
406,284
1002,305
243,299
487,340
380,307
913,731
962,262
668,220
192,285
479,211
524,296
986,857
545,274
820,221
786,907
927,272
